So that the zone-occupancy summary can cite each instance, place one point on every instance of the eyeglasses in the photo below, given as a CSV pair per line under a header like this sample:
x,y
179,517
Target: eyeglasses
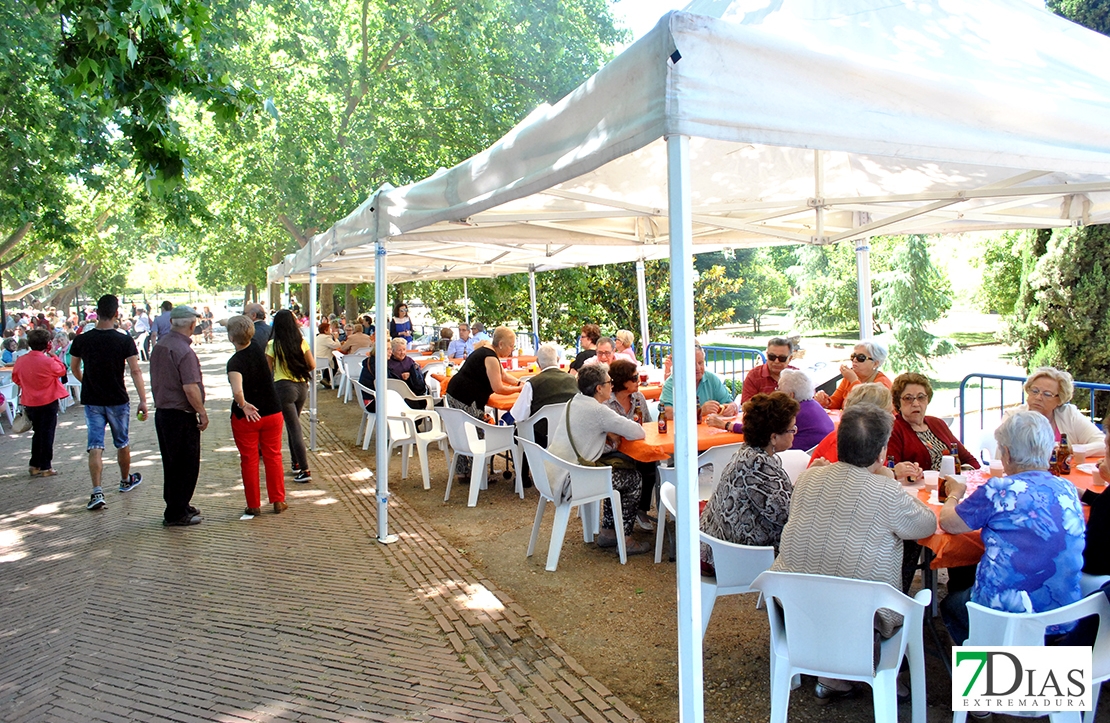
x,y
792,430
861,358
1035,392
607,381
910,399
778,357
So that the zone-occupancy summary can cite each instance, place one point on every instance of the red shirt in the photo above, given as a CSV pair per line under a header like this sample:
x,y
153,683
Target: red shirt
x,y
39,378
906,446
759,381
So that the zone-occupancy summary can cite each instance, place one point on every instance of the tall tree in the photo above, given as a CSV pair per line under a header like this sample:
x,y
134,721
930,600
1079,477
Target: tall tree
x,y
913,293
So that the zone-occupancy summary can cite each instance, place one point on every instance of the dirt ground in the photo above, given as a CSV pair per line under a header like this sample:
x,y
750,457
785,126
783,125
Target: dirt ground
x,y
618,621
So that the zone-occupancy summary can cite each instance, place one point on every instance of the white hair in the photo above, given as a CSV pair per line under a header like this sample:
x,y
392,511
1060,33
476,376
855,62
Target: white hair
x,y
547,356
875,350
1028,437
182,323
797,384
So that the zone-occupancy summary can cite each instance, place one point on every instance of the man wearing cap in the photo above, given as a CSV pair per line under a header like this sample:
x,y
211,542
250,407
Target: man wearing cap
x,y
97,359
178,388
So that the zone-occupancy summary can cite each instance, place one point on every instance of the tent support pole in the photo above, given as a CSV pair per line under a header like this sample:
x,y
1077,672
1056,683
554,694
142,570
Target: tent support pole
x,y
690,691
285,294
819,195
863,285
381,431
641,290
311,308
535,316
466,303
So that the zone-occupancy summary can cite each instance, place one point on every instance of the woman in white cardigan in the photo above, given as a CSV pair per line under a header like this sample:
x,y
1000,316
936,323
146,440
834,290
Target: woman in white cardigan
x,y
587,430
1048,391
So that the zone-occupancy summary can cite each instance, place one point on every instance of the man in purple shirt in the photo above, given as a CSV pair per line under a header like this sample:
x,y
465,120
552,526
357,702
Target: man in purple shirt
x,y
764,378
178,388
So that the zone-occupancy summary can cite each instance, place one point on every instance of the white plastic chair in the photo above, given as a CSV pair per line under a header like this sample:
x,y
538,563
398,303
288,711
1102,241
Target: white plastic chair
x,y
399,386
462,432
994,627
794,461
140,342
339,376
407,434
736,565
588,487
718,458
352,370
800,609
1089,583
366,424
74,388
11,400
526,430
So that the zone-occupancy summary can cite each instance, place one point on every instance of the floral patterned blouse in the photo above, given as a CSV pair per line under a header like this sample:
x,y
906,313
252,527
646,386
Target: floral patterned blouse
x,y
751,502
1033,532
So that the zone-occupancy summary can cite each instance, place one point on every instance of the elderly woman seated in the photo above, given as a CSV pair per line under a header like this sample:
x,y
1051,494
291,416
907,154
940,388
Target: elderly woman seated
x,y
865,360
812,421
873,393
582,436
1048,392
918,439
751,502
1032,529
623,342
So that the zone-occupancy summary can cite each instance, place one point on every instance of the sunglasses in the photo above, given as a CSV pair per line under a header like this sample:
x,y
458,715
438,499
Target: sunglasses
x,y
778,357
861,358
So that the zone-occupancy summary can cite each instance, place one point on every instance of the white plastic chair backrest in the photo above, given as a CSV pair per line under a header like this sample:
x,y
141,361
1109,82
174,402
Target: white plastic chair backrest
x,y
987,446
462,429
667,493
719,457
585,482
828,622
338,356
1089,583
994,627
794,461
435,368
553,413
359,389
395,408
537,455
402,388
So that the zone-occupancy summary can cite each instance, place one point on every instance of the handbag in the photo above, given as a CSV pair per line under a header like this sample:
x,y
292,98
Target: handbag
x,y
21,424
614,459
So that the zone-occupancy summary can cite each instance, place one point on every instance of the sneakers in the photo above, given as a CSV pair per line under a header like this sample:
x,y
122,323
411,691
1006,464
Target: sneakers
x,y
303,476
96,501
187,521
280,507
133,480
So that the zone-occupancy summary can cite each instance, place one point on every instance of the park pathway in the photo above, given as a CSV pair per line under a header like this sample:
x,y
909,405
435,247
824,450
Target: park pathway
x,y
303,616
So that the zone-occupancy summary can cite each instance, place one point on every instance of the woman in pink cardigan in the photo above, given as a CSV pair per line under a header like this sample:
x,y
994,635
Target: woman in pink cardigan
x,y
39,378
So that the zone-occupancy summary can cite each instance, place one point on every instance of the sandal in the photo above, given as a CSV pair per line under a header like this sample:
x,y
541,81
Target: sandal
x,y
46,473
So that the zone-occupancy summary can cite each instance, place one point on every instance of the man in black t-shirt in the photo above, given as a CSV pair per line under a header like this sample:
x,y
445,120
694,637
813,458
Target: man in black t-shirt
x,y
97,360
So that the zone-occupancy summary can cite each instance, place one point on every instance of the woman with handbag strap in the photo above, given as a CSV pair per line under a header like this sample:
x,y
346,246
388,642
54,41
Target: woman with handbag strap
x,y
38,375
588,424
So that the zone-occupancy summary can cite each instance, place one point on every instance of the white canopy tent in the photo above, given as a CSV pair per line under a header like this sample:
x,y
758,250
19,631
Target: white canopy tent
x,y
764,121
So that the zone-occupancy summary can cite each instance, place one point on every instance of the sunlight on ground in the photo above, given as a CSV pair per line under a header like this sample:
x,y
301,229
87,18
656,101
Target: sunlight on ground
x,y
368,491
303,493
473,597
10,542
47,509
361,475
326,501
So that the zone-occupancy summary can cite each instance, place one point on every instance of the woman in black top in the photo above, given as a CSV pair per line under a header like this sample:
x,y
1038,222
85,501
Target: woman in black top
x,y
480,376
256,419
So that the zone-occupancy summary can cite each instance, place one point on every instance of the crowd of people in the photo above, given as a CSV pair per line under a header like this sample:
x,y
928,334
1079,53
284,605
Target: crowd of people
x,y
846,515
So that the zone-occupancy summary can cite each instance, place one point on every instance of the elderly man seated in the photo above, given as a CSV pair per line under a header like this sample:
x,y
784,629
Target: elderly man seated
x,y
605,352
764,378
848,520
463,346
712,394
1032,528
356,339
551,386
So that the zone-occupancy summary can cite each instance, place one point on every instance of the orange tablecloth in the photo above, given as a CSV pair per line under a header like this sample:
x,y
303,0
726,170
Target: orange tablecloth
x,y
657,447
966,549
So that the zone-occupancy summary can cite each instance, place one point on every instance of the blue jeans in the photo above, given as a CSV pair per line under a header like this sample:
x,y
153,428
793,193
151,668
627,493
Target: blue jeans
x,y
116,417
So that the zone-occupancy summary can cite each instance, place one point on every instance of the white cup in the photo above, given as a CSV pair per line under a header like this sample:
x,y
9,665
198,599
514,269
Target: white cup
x,y
932,477
1078,457
996,468
947,465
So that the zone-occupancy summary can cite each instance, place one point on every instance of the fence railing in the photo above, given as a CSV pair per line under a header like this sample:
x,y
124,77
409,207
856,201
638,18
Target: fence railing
x,y
998,392
725,361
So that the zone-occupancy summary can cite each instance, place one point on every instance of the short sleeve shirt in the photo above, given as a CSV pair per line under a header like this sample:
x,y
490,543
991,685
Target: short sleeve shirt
x,y
173,364
104,354
280,372
1033,535
711,387
258,386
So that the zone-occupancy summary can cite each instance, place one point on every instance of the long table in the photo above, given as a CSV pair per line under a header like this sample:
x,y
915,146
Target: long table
x,y
656,447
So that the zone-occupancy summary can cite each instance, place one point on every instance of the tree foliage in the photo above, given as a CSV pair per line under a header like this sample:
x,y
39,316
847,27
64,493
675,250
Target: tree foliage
x,y
1000,260
756,285
913,293
825,279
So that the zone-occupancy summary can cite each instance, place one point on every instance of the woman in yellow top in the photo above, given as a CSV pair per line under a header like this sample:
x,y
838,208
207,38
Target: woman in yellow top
x,y
292,363
865,360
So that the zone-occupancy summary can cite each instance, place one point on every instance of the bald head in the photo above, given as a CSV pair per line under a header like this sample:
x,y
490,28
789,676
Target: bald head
x,y
254,312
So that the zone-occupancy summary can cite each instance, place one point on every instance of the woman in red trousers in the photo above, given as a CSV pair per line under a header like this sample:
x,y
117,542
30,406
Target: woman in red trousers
x,y
256,420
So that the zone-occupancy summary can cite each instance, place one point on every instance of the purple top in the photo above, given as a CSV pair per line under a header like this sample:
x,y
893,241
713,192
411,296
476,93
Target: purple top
x,y
813,425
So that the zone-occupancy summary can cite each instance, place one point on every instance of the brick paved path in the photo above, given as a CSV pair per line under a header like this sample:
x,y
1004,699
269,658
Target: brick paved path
x,y
108,616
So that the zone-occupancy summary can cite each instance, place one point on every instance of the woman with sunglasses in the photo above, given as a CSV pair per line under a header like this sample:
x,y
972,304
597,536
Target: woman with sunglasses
x,y
865,360
1048,391
400,326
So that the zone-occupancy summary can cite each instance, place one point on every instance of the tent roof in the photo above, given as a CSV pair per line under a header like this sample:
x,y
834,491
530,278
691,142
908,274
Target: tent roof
x,y
811,121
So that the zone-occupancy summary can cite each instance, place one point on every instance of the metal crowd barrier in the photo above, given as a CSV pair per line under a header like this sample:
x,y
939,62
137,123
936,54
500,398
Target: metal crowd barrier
x,y
725,361
988,393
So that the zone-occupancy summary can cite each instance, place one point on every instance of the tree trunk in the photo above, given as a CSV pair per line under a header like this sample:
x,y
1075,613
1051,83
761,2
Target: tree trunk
x,y
34,286
327,300
65,295
250,294
352,302
14,238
